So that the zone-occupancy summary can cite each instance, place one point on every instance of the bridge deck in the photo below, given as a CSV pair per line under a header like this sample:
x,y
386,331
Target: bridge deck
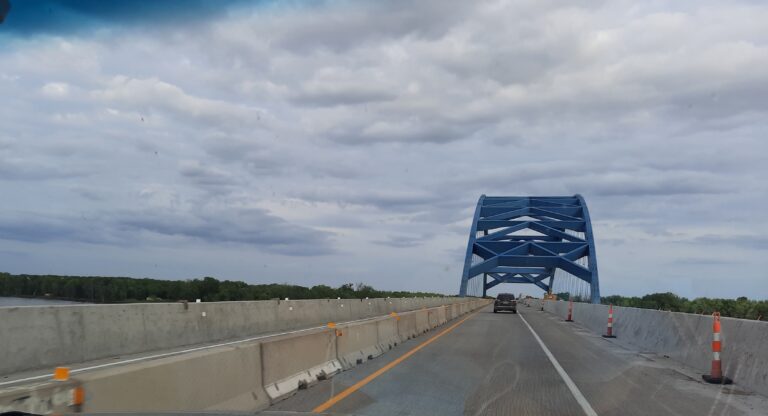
x,y
492,364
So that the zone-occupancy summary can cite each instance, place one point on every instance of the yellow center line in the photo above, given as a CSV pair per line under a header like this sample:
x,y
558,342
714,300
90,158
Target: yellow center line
x,y
357,386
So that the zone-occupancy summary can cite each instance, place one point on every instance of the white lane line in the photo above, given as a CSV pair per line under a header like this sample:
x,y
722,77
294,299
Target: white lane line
x,y
588,410
168,354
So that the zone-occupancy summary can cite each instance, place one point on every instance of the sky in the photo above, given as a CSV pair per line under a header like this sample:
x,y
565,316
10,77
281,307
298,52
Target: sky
x,y
325,142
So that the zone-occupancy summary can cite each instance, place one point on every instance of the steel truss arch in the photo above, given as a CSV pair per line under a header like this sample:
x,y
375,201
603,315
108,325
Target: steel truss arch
x,y
525,239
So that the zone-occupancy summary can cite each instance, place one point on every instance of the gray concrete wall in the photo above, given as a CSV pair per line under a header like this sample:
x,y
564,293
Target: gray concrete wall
x,y
48,336
243,377
683,337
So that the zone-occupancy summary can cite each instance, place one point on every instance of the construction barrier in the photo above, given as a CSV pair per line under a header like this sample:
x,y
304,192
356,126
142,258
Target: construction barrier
x,y
48,336
387,335
296,361
406,326
245,376
357,343
422,321
49,397
609,327
715,375
225,378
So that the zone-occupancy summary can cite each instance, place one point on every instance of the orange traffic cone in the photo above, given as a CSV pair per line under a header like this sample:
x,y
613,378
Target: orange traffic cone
x,y
715,375
570,311
609,329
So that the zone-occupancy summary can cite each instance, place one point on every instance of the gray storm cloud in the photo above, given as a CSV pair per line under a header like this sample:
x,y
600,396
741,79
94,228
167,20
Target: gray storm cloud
x,y
349,141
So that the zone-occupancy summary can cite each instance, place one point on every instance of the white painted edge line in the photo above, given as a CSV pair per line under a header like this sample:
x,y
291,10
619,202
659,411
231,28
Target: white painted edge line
x,y
588,410
205,347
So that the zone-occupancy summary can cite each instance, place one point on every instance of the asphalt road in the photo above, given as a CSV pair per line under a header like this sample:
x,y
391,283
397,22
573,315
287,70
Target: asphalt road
x,y
493,364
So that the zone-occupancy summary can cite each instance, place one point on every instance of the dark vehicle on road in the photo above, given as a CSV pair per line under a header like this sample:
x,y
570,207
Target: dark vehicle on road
x,y
505,302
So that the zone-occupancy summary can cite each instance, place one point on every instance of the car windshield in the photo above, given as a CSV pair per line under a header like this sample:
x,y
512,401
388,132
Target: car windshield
x,y
384,207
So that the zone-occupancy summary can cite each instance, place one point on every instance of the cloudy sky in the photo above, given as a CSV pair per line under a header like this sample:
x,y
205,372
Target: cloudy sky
x,y
346,141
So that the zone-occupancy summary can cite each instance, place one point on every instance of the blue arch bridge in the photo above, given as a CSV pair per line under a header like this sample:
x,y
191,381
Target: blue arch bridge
x,y
542,240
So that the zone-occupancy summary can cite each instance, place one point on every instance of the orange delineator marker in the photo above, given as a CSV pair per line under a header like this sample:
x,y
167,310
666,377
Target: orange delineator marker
x,y
61,374
715,375
570,311
78,396
609,330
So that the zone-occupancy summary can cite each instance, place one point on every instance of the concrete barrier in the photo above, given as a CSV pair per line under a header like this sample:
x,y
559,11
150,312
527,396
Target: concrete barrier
x,y
247,376
367,308
406,326
683,337
358,342
387,335
49,336
50,397
432,317
297,361
455,310
422,321
225,379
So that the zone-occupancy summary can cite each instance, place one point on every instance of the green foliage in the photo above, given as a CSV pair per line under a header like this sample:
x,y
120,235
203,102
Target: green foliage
x,y
125,289
735,308
566,296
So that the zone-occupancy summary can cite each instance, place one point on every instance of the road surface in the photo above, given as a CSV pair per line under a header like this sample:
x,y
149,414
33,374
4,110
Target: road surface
x,y
531,363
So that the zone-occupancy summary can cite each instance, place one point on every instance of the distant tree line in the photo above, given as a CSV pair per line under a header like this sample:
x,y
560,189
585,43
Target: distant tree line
x,y
735,308
125,289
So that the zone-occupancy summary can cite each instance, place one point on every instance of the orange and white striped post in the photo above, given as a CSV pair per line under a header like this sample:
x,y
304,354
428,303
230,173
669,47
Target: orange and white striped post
x,y
609,329
570,311
715,375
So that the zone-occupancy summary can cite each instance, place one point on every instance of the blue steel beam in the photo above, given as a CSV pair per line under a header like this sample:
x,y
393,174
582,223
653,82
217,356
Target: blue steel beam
x,y
470,246
595,282
515,270
526,238
538,282
524,278
574,225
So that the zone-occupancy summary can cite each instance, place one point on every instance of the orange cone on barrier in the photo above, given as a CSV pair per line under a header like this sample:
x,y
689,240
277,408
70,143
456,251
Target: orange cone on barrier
x,y
570,311
609,329
715,375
